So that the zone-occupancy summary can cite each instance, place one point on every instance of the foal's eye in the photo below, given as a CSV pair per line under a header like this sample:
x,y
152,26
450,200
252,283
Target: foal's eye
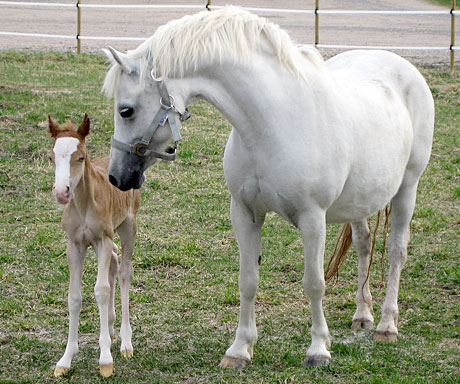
x,y
50,158
126,112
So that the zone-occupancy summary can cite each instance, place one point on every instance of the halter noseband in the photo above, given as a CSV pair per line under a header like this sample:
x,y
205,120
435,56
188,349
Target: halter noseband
x,y
166,112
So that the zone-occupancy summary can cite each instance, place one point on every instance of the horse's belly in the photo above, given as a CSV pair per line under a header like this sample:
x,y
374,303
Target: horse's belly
x,y
366,193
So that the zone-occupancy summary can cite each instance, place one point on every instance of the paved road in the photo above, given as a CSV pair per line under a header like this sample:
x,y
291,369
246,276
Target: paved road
x,y
334,29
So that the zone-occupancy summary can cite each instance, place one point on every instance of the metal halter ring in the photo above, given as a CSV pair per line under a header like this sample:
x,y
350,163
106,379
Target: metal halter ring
x,y
154,77
171,103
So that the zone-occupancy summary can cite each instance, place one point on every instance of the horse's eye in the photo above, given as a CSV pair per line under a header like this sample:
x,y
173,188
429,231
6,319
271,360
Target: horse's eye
x,y
126,112
81,159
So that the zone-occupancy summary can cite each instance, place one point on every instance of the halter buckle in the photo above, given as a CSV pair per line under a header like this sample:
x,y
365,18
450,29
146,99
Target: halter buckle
x,y
140,149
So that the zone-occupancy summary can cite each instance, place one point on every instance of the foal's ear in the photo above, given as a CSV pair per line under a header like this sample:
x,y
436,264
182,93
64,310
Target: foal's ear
x,y
53,127
83,129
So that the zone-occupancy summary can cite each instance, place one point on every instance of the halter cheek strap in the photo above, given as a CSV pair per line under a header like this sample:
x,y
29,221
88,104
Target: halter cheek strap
x,y
167,112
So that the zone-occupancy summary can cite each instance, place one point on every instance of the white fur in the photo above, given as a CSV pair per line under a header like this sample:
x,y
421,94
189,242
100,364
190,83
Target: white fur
x,y
63,150
353,137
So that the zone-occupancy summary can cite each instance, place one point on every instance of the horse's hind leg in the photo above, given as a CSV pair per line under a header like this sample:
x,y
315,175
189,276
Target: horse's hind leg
x,y
75,258
402,207
248,233
127,231
361,240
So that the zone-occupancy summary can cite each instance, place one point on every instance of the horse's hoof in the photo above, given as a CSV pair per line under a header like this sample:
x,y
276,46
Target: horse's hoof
x,y
127,354
60,371
106,370
317,361
386,336
362,324
234,362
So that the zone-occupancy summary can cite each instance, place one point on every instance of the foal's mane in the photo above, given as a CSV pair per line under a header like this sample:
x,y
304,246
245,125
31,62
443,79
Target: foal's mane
x,y
229,33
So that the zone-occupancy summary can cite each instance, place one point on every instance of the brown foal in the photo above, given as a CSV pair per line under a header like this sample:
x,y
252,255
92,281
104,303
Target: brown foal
x,y
94,210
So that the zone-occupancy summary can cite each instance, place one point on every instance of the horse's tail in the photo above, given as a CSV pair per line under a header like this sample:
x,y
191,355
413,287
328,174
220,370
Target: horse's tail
x,y
340,252
344,241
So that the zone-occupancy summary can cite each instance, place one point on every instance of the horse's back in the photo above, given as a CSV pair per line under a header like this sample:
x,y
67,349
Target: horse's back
x,y
396,73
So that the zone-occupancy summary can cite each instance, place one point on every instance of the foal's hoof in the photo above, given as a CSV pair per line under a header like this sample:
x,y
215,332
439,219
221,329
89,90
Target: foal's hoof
x,y
317,361
106,370
60,371
127,354
362,324
234,362
385,336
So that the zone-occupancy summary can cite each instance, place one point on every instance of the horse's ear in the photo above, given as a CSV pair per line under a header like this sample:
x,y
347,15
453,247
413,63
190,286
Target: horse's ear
x,y
53,127
83,129
127,64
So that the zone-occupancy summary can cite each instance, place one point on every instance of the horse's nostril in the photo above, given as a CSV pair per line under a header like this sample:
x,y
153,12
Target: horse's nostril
x,y
113,180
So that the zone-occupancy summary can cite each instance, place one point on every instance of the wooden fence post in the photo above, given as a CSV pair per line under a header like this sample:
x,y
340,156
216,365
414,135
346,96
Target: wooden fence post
x,y
78,27
316,23
452,36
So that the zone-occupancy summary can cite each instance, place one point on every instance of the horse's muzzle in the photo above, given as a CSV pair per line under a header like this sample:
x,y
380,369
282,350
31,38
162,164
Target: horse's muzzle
x,y
129,175
134,182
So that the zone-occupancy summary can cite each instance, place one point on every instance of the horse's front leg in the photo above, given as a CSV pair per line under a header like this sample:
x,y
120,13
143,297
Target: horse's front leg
x,y
75,258
313,228
248,233
102,292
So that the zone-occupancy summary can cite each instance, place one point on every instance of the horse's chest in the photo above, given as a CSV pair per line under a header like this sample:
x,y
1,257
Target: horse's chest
x,y
260,196
84,230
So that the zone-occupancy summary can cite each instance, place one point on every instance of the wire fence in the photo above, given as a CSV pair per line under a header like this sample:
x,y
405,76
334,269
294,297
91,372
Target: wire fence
x,y
317,12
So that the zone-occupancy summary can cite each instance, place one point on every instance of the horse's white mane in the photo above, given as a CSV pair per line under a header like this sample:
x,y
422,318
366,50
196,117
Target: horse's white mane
x,y
230,33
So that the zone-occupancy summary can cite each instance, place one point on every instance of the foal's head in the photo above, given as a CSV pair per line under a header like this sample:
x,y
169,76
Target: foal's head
x,y
68,156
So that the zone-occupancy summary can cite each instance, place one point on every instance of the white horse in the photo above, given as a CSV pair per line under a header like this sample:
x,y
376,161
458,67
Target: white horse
x,y
317,142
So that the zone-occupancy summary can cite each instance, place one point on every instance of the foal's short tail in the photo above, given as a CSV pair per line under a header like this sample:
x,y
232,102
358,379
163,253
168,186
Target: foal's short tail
x,y
340,252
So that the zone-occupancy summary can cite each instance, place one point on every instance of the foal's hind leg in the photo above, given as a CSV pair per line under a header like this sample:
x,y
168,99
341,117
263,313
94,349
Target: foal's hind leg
x,y
402,207
361,240
127,231
112,281
103,250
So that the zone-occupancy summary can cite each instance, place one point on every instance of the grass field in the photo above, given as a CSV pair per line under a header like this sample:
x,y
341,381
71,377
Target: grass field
x,y
184,299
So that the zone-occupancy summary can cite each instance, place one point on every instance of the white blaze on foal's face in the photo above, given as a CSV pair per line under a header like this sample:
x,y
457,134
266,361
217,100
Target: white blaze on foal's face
x,y
68,163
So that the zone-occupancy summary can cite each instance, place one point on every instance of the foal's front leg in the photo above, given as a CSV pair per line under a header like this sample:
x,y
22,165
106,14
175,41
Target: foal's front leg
x,y
102,292
75,258
248,233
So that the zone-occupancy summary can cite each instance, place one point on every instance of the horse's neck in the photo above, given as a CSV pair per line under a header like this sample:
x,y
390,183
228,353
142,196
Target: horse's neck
x,y
83,196
258,98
